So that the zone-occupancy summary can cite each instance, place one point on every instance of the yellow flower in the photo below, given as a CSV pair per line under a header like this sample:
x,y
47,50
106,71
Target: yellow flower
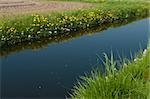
x,y
52,24
110,14
37,24
41,29
33,24
66,17
44,20
34,20
38,32
15,31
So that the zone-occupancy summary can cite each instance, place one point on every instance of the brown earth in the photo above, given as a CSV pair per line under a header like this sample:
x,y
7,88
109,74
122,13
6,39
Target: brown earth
x,y
11,7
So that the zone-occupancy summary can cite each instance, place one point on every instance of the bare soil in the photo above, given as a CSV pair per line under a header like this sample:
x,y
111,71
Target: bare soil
x,y
29,6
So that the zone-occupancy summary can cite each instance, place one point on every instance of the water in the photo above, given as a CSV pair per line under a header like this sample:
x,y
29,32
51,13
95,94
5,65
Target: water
x,y
51,72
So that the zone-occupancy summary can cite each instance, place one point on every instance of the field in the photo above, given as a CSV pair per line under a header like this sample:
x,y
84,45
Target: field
x,y
37,26
32,24
13,7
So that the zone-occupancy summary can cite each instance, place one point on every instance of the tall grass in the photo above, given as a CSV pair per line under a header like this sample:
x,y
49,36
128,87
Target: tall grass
x,y
132,81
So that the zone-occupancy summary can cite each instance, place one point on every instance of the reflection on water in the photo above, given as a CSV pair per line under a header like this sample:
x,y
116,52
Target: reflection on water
x,y
52,71
59,38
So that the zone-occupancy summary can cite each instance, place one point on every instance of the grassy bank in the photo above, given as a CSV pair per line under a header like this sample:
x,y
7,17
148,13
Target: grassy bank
x,y
61,38
132,81
32,28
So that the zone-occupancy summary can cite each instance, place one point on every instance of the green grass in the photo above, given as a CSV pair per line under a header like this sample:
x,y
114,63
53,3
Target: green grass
x,y
32,28
90,1
100,1
132,81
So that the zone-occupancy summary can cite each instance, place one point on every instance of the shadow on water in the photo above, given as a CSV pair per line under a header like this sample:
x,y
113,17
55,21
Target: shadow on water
x,y
35,45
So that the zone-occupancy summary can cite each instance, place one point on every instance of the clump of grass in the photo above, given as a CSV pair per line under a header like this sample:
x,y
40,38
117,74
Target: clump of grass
x,y
131,81
36,27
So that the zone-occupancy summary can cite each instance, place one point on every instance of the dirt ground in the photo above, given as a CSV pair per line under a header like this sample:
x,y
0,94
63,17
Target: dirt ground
x,y
29,6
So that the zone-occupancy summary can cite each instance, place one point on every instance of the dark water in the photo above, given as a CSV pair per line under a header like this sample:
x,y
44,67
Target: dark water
x,y
52,71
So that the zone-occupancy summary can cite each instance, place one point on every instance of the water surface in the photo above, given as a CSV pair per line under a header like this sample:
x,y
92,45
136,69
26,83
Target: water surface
x,y
52,71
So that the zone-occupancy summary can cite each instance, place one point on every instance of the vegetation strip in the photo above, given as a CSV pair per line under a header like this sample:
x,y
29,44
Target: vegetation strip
x,y
61,38
36,27
131,81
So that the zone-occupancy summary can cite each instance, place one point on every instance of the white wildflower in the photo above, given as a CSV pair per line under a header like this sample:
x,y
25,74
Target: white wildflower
x,y
68,30
71,24
22,33
50,32
135,59
29,36
88,25
144,53
55,32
